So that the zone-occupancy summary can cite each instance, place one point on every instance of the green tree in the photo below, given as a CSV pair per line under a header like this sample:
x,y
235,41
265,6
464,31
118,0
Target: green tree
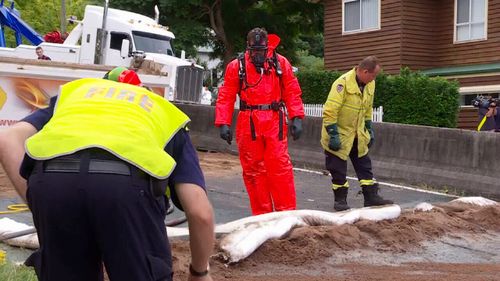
x,y
44,15
225,23
312,43
309,63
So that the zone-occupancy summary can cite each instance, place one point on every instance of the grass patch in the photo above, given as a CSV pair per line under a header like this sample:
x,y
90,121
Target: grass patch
x,y
12,272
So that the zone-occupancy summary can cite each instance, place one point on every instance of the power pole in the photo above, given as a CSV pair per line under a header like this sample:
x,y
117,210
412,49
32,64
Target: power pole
x,y
101,37
63,16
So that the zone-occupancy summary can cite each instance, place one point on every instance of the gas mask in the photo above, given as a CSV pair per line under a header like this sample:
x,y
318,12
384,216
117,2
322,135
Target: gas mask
x,y
257,47
258,57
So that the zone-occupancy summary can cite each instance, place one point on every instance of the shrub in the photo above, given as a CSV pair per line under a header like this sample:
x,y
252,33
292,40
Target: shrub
x,y
415,98
408,98
316,85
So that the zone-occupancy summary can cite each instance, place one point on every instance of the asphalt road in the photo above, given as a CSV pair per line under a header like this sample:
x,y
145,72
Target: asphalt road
x,y
228,196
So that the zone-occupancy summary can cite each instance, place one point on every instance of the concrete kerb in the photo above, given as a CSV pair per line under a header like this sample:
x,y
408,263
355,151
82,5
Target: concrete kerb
x,y
465,162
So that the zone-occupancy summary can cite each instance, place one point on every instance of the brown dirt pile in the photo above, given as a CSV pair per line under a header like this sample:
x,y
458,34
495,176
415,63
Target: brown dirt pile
x,y
301,254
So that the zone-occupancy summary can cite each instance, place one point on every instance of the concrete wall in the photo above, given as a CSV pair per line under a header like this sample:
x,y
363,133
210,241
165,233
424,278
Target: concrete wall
x,y
463,161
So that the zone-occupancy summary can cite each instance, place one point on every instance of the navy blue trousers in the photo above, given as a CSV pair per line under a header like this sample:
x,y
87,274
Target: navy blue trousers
x,y
85,220
338,167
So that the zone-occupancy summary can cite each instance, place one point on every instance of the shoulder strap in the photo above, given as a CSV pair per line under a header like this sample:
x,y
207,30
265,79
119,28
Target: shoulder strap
x,y
241,70
279,71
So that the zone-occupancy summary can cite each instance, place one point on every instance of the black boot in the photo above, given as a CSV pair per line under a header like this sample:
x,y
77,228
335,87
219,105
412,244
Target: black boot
x,y
340,203
370,192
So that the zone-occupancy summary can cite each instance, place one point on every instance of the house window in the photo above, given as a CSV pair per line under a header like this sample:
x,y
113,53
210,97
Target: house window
x,y
470,23
361,15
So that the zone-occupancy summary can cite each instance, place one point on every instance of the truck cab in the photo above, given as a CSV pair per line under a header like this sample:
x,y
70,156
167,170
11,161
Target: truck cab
x,y
130,40
142,34
132,37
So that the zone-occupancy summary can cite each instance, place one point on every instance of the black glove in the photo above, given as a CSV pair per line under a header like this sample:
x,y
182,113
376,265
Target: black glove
x,y
333,132
368,126
296,128
226,134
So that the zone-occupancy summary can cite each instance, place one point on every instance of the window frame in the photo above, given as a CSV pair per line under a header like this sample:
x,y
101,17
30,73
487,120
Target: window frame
x,y
125,34
361,30
469,23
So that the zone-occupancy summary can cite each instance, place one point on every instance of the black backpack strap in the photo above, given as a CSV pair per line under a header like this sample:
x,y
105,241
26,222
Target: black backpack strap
x,y
279,71
241,71
283,117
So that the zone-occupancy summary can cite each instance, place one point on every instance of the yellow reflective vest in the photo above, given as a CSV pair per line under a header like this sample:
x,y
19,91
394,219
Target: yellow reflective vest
x,y
128,121
349,109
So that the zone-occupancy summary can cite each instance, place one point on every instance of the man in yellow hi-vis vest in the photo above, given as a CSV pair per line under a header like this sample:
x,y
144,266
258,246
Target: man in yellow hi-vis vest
x,y
347,132
98,170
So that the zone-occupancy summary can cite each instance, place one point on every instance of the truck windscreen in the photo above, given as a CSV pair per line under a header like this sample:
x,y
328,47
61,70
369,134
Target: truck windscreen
x,y
152,43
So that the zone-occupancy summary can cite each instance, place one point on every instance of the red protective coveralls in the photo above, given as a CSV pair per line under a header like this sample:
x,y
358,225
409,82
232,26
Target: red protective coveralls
x,y
267,169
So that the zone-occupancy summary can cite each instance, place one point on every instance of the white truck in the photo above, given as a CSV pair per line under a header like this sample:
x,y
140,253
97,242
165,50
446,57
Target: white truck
x,y
125,39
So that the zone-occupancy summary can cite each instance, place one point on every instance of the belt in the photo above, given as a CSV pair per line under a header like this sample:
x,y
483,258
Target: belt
x,y
257,107
96,166
72,164
275,106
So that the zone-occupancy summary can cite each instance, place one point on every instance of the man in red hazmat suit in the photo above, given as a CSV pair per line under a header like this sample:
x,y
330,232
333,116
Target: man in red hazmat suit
x,y
266,85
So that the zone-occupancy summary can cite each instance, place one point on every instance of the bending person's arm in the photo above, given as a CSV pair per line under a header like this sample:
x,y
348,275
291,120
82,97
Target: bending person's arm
x,y
188,185
200,218
12,144
12,153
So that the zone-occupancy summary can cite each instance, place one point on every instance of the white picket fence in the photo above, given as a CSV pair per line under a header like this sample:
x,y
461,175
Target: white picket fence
x,y
316,110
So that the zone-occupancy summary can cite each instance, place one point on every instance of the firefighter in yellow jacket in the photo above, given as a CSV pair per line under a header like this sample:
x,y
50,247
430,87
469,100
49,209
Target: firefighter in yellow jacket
x,y
347,132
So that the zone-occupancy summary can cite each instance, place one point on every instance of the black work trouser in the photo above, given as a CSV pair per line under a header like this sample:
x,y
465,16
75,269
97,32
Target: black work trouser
x,y
338,167
86,218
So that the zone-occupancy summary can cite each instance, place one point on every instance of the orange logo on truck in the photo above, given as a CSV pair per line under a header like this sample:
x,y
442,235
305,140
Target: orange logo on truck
x,y
31,95
3,98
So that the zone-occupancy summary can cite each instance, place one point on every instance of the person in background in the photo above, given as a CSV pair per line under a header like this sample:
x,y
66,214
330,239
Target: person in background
x,y
497,121
206,96
266,86
487,113
40,55
348,132
97,166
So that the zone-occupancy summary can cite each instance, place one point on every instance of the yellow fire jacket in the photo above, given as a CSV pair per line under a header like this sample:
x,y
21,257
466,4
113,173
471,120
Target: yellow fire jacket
x,y
129,121
349,109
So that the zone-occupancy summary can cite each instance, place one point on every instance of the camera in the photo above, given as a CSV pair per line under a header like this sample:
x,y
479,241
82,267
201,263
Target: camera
x,y
485,102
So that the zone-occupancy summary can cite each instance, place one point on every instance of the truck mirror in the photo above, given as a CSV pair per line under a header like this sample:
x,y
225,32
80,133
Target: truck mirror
x,y
124,52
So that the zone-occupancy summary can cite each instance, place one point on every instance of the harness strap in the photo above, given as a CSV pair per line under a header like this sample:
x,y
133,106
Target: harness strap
x,y
273,62
280,133
252,128
241,71
274,106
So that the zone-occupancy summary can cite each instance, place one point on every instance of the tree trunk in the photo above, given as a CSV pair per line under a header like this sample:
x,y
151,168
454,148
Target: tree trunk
x,y
217,24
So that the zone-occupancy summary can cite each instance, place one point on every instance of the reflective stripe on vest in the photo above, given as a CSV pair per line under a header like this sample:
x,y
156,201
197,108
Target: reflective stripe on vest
x,y
128,121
